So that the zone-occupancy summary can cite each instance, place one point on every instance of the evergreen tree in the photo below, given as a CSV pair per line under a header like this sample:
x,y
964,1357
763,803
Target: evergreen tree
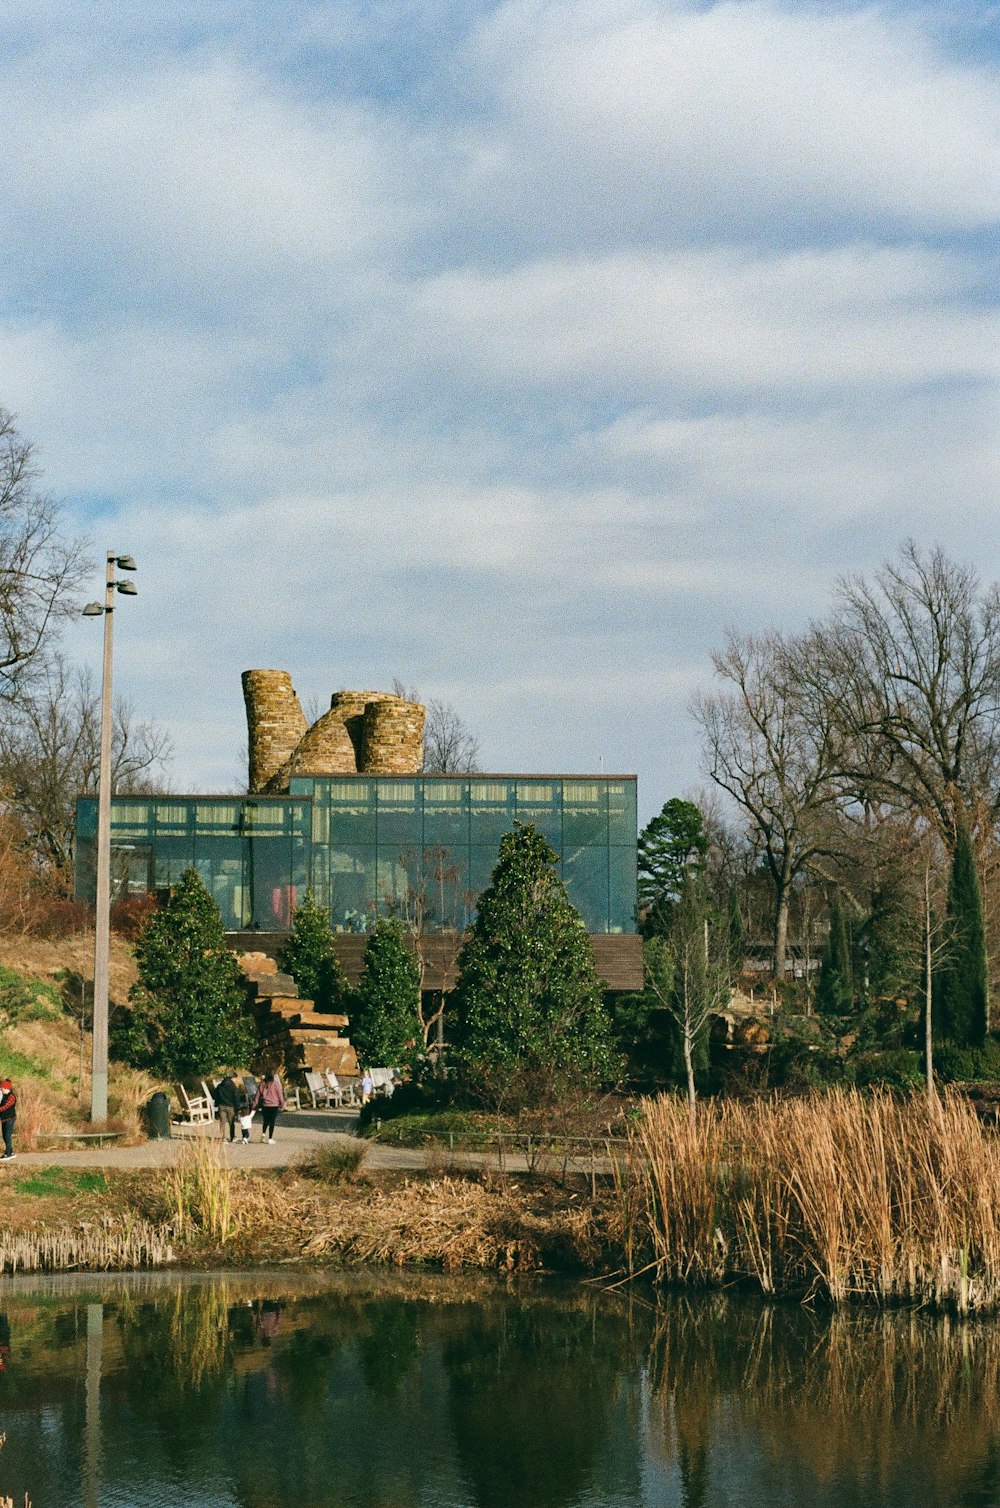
x,y
385,1025
671,847
188,1011
962,1009
835,991
529,1012
308,954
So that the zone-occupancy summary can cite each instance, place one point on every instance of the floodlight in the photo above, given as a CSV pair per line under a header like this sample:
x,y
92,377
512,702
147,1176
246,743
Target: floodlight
x,y
125,563
126,588
93,610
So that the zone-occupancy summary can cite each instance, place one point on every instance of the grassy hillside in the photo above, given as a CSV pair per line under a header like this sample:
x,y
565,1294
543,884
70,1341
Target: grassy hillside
x,y
42,1048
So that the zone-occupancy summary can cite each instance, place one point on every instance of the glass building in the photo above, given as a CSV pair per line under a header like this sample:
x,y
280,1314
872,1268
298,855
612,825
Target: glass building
x,y
417,846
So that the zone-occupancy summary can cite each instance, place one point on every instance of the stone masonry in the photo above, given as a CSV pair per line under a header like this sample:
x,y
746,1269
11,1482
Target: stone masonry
x,y
364,732
292,1035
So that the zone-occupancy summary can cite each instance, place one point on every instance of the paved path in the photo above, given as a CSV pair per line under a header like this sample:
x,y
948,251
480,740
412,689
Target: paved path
x,y
298,1132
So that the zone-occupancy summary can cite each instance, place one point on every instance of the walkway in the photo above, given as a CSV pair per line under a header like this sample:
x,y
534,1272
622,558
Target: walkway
x,y
298,1132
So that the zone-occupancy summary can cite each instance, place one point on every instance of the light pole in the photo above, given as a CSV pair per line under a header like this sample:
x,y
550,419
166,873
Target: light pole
x,y
102,903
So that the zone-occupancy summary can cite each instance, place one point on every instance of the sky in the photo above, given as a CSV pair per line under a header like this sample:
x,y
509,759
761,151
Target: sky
x,y
515,350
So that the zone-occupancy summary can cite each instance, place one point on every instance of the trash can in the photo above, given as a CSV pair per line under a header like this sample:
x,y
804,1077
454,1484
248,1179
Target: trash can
x,y
158,1116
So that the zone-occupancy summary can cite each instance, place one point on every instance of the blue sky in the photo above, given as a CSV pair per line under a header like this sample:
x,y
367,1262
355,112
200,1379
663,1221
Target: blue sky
x,y
516,350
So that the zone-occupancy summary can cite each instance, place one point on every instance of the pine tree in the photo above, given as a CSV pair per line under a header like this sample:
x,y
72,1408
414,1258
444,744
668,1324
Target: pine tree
x,y
188,1012
529,1012
962,1009
835,991
385,1026
671,848
308,954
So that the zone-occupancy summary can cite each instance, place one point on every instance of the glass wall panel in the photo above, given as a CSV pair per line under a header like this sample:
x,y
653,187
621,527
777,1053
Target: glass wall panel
x,y
541,803
398,880
482,861
622,826
444,895
172,855
352,888
399,814
221,862
446,813
492,812
171,816
351,804
585,814
585,873
131,868
622,885
86,818
270,880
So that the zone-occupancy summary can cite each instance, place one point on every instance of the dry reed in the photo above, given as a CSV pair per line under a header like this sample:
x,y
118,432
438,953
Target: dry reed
x,y
116,1244
455,1223
839,1195
200,1194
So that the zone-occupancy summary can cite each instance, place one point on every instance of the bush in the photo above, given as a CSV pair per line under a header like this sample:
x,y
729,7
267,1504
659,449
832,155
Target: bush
x,y
530,1021
898,1068
336,1162
310,957
967,1064
130,913
188,1006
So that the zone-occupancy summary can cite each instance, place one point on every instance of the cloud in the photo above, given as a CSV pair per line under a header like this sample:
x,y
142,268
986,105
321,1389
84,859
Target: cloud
x,y
642,118
514,349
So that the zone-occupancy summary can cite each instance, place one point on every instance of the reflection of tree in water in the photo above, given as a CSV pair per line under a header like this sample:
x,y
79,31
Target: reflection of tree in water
x,y
388,1346
853,1408
531,1394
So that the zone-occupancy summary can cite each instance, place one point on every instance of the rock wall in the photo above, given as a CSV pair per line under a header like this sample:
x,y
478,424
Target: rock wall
x,y
364,732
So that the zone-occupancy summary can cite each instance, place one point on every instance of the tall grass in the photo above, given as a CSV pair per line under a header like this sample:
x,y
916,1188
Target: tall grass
x,y
839,1195
200,1194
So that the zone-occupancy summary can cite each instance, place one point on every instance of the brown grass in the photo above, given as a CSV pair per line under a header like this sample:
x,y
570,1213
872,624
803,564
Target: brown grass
x,y
839,1195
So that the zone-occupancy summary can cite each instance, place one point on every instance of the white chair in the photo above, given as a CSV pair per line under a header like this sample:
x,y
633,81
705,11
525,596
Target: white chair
x,y
333,1085
210,1097
198,1110
318,1089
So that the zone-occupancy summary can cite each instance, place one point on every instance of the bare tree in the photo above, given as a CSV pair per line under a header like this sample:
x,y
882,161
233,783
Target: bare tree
x,y
909,671
429,895
687,977
450,747
38,569
766,747
50,755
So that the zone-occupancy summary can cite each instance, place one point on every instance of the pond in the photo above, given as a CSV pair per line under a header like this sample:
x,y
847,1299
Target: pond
x,y
263,1389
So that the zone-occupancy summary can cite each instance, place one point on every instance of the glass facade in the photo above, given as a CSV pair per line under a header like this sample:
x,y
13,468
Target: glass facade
x,y
421,847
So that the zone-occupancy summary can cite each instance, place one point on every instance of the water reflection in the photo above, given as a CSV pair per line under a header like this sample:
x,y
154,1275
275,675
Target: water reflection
x,y
262,1390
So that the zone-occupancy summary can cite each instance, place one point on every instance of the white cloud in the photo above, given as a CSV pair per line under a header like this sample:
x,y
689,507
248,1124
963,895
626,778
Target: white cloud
x,y
517,366
643,113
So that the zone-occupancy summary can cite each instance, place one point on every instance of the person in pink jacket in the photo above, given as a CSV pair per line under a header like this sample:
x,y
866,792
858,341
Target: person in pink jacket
x,y
271,1099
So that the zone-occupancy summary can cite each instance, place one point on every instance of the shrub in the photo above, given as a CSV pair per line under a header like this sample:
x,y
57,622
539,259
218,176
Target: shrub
x,y
309,956
967,1064
385,1026
188,1006
335,1162
529,1012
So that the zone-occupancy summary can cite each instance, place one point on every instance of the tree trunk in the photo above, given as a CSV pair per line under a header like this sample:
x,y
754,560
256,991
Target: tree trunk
x,y
689,1066
780,932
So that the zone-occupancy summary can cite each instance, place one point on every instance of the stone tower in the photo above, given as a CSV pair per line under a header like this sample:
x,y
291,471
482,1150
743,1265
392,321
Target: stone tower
x,y
364,732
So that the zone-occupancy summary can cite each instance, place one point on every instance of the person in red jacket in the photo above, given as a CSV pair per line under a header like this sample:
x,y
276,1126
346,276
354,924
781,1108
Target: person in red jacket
x,y
8,1115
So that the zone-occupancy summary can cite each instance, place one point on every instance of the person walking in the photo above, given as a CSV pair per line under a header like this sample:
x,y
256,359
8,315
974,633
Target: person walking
x,y
8,1115
271,1099
227,1097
